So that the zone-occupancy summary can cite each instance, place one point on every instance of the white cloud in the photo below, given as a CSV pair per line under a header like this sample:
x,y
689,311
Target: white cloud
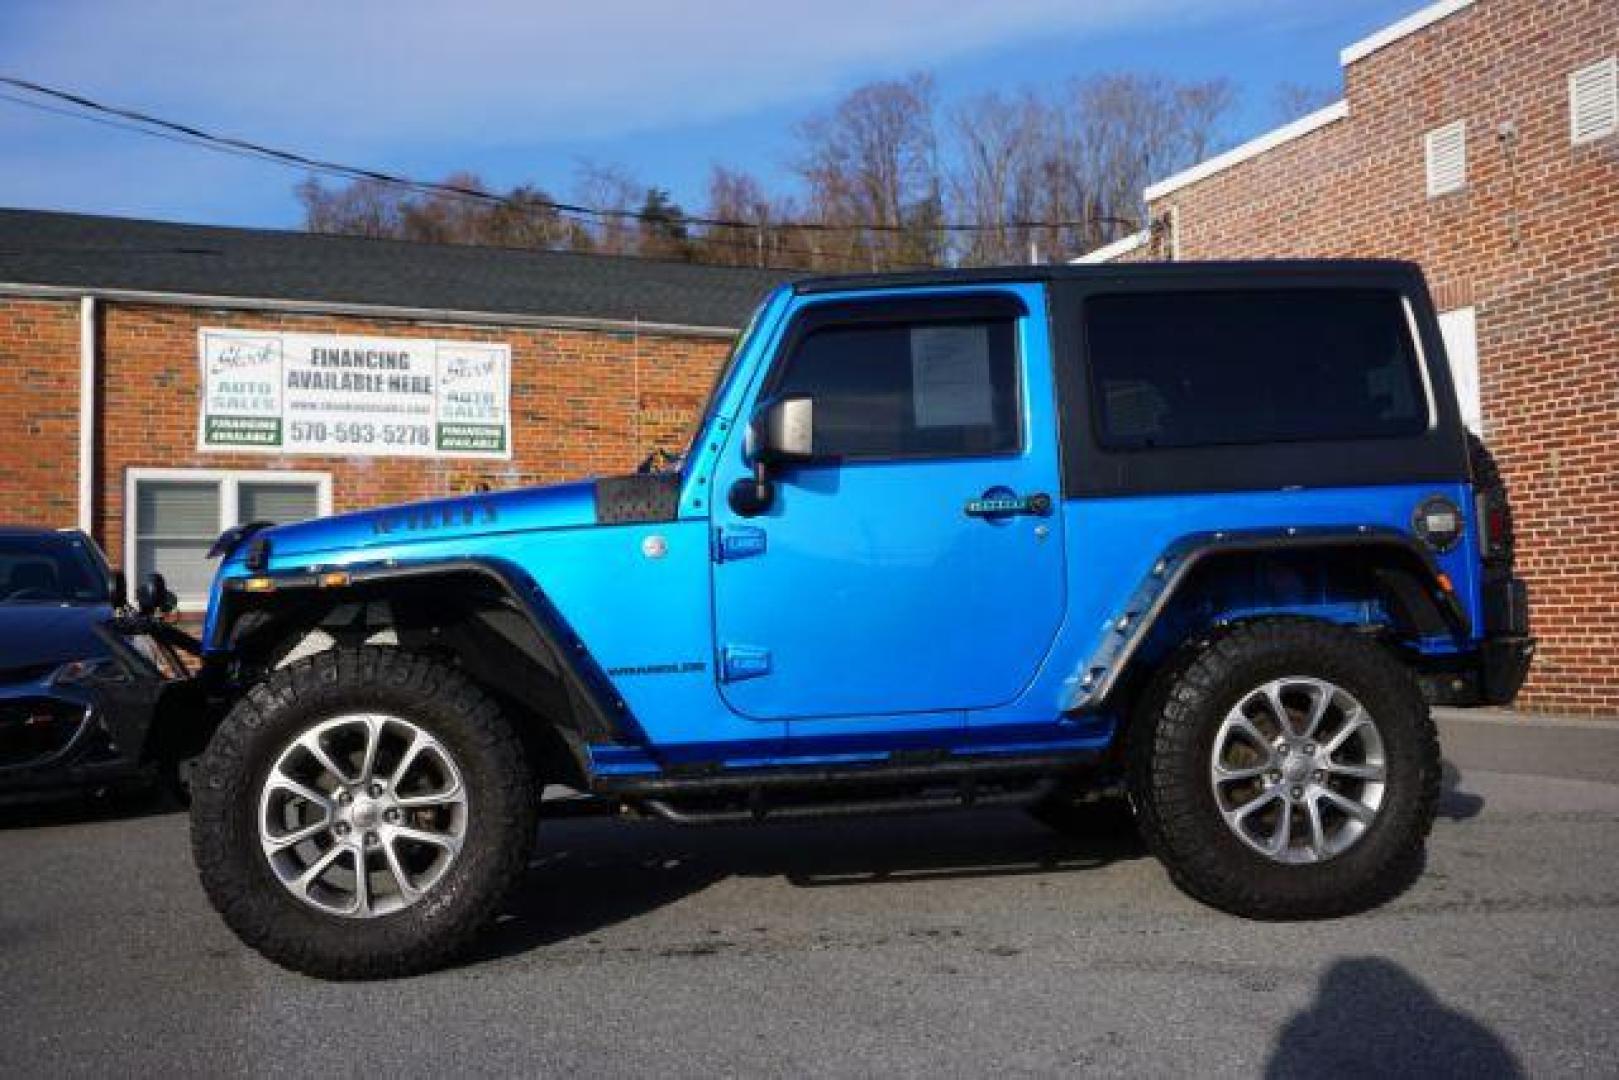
x,y
382,70
386,81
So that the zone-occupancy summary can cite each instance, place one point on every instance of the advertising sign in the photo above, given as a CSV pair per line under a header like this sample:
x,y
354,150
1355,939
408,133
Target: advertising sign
x,y
339,395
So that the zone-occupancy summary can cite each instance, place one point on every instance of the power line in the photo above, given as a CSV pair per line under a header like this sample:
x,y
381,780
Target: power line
x,y
356,172
184,136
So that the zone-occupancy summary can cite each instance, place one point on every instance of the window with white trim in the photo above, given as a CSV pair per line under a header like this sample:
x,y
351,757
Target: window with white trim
x,y
1445,156
173,517
1593,101
1459,328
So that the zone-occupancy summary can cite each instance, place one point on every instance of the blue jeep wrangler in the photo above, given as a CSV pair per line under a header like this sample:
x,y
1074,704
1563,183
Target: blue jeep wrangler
x,y
1208,536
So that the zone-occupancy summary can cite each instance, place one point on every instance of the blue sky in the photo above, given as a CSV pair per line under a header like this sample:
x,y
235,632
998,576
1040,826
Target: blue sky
x,y
522,89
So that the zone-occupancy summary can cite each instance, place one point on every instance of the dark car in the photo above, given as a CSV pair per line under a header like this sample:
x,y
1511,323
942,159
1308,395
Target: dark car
x,y
81,699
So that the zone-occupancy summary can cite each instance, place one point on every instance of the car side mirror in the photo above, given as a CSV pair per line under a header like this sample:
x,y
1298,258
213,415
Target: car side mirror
x,y
118,591
153,597
787,430
781,433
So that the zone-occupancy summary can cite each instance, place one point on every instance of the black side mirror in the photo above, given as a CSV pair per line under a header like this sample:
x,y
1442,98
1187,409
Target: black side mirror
x,y
118,591
781,433
153,596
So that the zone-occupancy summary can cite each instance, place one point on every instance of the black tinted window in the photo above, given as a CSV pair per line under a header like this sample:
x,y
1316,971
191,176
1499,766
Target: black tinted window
x,y
909,389
49,568
1177,369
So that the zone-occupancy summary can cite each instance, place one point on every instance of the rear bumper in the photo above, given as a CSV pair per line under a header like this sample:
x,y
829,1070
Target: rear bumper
x,y
1503,665
1494,672
1491,675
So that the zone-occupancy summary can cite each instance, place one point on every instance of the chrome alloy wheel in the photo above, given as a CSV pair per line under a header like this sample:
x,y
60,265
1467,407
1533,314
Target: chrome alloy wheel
x,y
362,814
1298,769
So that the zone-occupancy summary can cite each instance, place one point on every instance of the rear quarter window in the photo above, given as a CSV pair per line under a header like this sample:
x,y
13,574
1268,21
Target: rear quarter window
x,y
1245,367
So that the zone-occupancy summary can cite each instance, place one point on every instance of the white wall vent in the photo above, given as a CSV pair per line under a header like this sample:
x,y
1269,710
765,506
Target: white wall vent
x,y
1593,101
1445,150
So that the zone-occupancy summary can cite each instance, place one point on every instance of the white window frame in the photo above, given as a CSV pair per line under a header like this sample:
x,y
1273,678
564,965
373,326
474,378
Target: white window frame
x,y
1608,67
229,481
1459,328
1457,128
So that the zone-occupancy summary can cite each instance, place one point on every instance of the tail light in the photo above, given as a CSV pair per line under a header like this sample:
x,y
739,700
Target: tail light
x,y
1493,525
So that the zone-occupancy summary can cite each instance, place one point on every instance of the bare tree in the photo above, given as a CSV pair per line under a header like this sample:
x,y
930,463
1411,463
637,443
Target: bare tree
x,y
362,208
523,217
528,218
1291,100
1053,173
610,188
446,218
1202,107
994,179
870,166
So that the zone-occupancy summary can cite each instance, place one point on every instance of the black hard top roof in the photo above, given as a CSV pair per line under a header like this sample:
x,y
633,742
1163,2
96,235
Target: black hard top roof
x,y
1358,268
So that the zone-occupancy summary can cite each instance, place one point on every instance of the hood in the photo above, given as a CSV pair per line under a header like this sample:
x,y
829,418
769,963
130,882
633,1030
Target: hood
x,y
33,635
558,507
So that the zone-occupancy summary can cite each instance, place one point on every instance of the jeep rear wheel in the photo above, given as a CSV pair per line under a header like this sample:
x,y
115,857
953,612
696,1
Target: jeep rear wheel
x,y
362,813
1286,769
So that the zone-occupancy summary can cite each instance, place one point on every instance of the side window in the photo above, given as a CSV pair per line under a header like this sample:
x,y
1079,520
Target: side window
x,y
917,388
1186,369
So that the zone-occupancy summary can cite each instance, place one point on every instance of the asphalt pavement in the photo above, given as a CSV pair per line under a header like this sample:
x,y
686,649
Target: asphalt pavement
x,y
957,945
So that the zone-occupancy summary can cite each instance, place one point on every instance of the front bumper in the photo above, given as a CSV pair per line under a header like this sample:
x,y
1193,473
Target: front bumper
x,y
74,736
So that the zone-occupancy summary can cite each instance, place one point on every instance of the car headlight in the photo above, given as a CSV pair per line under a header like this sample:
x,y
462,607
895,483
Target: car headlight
x,y
96,669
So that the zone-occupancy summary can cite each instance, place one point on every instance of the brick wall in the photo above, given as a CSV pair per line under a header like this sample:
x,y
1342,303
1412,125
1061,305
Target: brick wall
x,y
583,403
1532,242
39,412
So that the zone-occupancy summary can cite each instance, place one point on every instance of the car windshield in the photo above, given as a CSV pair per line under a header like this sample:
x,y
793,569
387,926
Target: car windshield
x,y
50,568
722,377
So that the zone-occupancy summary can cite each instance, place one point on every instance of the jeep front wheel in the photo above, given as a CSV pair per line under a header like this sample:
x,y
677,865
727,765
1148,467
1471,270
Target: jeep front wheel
x,y
1286,769
363,813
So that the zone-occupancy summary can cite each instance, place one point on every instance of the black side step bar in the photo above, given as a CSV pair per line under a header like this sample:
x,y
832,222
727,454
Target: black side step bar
x,y
889,772
759,809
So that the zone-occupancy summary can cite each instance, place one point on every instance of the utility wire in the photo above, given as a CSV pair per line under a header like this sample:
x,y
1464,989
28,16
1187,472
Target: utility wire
x,y
359,172
562,211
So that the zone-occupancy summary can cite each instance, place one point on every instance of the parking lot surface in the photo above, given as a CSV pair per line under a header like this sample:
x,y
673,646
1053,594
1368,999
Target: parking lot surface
x,y
962,944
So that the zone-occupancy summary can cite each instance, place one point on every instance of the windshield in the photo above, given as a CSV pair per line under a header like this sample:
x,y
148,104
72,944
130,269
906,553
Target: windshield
x,y
52,568
722,378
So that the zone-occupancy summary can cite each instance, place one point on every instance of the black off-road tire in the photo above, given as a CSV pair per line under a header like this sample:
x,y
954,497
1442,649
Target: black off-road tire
x,y
437,928
1172,738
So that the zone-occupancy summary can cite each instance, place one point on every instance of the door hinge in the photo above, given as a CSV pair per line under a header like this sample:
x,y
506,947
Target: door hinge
x,y
742,662
733,542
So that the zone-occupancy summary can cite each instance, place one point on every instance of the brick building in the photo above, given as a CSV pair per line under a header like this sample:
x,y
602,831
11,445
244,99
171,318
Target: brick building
x,y
110,328
1479,138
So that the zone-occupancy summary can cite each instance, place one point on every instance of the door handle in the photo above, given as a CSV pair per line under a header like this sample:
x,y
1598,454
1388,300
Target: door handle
x,y
1003,502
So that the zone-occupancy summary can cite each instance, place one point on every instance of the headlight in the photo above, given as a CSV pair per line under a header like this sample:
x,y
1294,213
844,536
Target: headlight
x,y
98,669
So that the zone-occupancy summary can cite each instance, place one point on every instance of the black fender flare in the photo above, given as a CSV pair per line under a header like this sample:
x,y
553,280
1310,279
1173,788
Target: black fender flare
x,y
1099,676
606,717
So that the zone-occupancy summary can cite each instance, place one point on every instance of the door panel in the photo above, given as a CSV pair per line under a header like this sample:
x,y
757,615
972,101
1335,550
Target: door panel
x,y
876,591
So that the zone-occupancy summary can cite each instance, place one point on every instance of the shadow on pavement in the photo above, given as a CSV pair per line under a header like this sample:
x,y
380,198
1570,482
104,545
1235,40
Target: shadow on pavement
x,y
1371,1017
589,875
81,808
1455,804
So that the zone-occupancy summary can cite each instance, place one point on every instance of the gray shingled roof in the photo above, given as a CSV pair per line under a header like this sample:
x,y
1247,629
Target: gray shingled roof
x,y
83,251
